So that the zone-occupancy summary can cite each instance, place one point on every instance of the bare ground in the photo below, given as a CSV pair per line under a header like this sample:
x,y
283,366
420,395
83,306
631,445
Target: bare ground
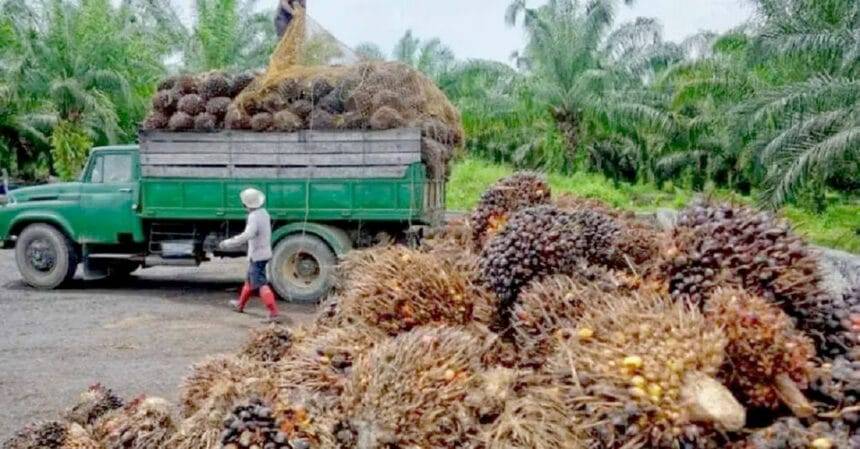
x,y
136,336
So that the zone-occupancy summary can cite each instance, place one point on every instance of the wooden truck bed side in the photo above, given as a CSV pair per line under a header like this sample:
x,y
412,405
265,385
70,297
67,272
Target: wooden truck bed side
x,y
308,175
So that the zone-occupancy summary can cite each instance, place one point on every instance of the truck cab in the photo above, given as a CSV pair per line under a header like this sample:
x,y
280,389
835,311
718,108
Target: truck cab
x,y
120,217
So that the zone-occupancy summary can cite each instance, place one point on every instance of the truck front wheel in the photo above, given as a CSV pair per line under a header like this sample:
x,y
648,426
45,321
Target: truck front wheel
x,y
302,268
46,258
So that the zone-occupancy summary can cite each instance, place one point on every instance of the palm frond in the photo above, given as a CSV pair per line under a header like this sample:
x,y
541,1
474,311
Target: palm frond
x,y
785,177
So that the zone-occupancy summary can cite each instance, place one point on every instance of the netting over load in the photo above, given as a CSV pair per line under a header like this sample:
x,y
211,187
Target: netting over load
x,y
291,96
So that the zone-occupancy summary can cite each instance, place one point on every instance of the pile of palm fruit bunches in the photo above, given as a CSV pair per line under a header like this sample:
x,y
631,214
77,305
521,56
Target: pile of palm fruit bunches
x,y
365,96
539,322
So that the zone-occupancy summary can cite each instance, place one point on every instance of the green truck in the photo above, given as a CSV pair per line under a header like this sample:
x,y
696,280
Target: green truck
x,y
172,198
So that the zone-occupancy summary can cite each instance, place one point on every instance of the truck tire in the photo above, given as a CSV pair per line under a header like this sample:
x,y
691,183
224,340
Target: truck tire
x,y
46,258
302,268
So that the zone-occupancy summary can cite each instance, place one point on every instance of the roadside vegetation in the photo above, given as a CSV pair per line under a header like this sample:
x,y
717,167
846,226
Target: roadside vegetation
x,y
836,227
766,113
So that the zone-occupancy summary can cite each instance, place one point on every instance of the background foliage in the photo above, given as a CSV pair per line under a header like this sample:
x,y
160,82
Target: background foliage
x,y
768,110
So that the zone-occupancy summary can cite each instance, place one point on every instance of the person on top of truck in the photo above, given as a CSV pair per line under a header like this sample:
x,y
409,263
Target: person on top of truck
x,y
286,11
258,236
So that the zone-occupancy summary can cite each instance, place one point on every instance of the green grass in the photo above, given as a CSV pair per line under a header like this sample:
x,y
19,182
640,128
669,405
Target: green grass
x,y
838,227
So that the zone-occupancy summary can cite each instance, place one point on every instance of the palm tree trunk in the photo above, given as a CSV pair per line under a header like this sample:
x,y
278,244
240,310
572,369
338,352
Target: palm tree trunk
x,y
567,122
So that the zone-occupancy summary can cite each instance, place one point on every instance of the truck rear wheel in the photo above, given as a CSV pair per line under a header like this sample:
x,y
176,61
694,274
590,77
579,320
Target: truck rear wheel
x,y
46,258
302,268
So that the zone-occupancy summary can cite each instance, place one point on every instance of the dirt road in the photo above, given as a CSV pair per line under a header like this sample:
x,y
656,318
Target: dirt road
x,y
137,336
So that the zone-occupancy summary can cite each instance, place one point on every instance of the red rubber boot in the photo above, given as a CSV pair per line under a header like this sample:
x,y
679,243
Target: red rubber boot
x,y
244,297
269,299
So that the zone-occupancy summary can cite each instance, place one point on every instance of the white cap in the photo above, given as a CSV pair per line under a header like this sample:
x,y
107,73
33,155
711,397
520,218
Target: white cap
x,y
252,198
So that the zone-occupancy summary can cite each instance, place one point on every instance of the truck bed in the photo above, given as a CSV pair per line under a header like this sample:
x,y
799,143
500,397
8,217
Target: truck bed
x,y
309,175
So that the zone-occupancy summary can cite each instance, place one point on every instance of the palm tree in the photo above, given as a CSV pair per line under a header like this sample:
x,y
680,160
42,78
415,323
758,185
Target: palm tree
x,y
228,34
808,125
90,89
368,51
572,50
431,56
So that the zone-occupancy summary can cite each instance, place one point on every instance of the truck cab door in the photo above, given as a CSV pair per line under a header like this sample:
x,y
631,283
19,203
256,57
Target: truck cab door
x,y
109,199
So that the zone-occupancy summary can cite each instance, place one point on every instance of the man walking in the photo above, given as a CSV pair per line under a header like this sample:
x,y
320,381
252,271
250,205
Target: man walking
x,y
258,235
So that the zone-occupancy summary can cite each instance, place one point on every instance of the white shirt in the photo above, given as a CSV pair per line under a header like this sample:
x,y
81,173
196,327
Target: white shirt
x,y
258,234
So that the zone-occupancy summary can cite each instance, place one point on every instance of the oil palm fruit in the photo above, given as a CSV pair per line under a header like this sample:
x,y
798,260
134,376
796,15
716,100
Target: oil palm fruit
x,y
547,306
93,404
518,191
409,391
180,122
145,423
765,354
643,367
268,344
214,85
253,425
540,241
396,289
191,104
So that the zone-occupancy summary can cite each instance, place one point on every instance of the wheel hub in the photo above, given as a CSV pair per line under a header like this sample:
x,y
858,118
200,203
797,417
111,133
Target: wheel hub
x,y
302,269
42,255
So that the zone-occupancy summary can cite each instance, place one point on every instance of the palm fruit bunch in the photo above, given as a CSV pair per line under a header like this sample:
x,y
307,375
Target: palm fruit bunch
x,y
518,191
194,102
92,405
522,413
204,428
51,435
396,289
639,242
214,373
720,243
408,392
47,435
837,385
753,248
144,423
253,425
269,344
453,236
644,364
768,361
792,433
839,325
541,241
321,363
547,306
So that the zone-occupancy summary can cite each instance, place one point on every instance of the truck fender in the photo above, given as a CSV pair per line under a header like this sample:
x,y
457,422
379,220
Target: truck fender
x,y
336,238
27,218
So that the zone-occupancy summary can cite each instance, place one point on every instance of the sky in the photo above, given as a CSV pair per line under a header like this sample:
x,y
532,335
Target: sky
x,y
476,28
